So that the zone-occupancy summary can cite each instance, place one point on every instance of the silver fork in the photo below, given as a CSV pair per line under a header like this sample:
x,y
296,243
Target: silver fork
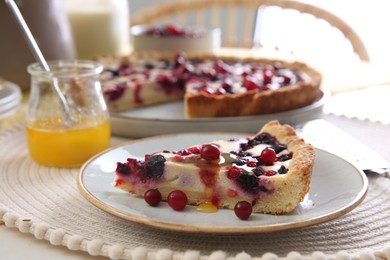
x,y
384,172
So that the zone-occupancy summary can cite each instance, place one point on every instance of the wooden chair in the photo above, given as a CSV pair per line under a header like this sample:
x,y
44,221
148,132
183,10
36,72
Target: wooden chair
x,y
283,25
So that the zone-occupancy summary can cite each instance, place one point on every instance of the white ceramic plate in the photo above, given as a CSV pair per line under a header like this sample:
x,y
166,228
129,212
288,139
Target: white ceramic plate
x,y
9,92
10,97
169,119
337,187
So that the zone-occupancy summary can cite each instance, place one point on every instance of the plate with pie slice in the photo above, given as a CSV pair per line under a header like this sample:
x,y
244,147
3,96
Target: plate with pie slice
x,y
169,119
337,187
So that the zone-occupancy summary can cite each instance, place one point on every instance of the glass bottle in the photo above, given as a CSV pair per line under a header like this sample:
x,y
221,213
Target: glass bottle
x,y
53,138
99,27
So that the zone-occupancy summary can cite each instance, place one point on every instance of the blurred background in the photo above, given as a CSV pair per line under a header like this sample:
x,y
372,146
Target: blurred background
x,y
370,19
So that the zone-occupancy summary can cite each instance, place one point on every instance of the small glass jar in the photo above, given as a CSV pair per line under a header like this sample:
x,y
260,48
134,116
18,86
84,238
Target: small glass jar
x,y
60,139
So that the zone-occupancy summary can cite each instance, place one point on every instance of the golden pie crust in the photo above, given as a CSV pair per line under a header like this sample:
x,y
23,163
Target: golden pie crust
x,y
290,189
253,102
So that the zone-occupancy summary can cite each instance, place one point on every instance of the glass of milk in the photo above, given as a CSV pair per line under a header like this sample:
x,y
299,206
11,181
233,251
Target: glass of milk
x,y
99,27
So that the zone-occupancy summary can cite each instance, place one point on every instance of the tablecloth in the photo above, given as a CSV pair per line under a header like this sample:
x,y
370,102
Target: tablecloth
x,y
46,203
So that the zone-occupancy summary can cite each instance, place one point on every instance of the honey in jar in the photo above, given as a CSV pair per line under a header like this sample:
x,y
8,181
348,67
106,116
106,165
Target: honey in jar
x,y
66,140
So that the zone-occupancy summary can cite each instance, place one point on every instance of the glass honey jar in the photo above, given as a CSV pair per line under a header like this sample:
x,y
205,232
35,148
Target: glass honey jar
x,y
61,138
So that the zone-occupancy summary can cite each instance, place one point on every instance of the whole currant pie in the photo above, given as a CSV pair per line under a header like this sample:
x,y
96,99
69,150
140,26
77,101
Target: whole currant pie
x,y
270,170
211,86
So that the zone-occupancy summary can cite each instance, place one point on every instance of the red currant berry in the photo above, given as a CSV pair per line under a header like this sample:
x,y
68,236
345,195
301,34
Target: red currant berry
x,y
243,210
268,155
250,84
220,67
220,91
270,173
152,197
184,152
206,90
233,172
173,30
251,164
267,75
177,200
210,152
194,150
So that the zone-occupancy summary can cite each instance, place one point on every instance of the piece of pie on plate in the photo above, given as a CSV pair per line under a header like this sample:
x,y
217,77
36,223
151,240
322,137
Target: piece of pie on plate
x,y
211,86
271,171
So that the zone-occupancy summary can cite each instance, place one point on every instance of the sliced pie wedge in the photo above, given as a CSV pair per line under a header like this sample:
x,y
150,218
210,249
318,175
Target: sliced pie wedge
x,y
270,170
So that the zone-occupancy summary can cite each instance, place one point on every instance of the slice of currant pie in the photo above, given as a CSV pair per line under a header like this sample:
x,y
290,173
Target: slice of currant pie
x,y
271,171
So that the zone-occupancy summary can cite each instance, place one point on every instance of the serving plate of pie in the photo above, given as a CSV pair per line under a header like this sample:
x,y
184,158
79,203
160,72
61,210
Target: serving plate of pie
x,y
163,93
337,187
169,119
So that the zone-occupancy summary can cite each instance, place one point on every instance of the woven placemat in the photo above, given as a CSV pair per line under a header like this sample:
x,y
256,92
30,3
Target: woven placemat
x,y
46,203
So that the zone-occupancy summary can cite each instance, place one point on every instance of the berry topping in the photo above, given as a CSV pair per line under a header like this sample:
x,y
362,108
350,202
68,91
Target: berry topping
x,y
258,171
171,30
232,193
123,168
248,182
115,93
221,67
268,156
166,81
270,173
124,69
285,157
265,138
239,162
243,210
152,197
208,177
155,166
177,200
209,73
282,170
206,90
251,164
148,66
267,76
194,150
183,152
227,85
233,172
251,83
210,152
279,147
178,158
262,138
243,154
174,30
